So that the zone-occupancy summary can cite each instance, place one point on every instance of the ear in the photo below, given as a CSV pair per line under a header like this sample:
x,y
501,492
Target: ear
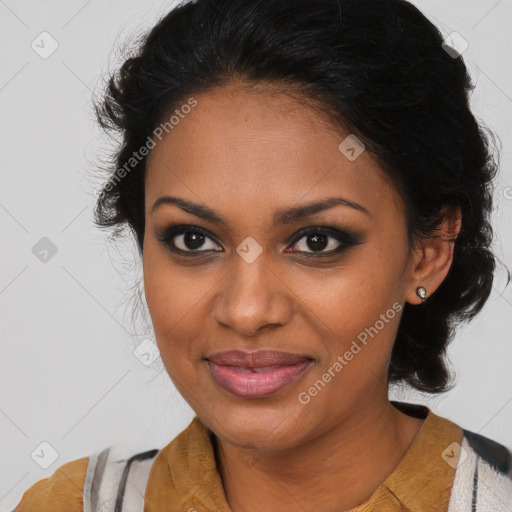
x,y
432,257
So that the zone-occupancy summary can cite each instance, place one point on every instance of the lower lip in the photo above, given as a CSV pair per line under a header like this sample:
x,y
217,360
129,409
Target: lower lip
x,y
256,384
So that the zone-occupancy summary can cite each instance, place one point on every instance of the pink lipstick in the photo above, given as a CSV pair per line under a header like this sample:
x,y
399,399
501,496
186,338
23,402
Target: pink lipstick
x,y
256,374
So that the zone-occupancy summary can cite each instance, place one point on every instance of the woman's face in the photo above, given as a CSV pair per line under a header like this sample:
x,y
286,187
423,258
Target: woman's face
x,y
327,286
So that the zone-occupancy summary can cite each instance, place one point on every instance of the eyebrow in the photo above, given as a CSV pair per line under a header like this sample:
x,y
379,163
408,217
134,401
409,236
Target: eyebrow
x,y
281,217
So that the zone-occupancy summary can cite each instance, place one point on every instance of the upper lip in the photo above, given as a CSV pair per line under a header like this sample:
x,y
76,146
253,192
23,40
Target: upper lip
x,y
258,359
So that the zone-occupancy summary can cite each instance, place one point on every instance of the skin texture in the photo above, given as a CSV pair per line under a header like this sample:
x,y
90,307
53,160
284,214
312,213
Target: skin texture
x,y
246,155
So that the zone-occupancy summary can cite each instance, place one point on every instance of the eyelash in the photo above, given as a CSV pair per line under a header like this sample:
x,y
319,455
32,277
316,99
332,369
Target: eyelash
x,y
346,240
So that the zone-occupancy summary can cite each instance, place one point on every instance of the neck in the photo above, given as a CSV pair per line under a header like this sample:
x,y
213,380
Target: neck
x,y
342,468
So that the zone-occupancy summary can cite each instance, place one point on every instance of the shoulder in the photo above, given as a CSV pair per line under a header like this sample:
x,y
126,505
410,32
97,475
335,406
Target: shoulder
x,y
496,455
483,476
104,479
112,480
61,492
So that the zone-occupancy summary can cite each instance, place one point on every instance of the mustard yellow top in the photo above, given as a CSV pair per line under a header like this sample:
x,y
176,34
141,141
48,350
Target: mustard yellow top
x,y
184,477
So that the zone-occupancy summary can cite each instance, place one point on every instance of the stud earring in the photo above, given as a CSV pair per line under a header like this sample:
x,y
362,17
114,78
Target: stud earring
x,y
421,292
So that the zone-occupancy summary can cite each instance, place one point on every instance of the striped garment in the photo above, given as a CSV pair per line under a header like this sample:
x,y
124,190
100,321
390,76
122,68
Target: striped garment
x,y
446,469
482,483
116,485
483,478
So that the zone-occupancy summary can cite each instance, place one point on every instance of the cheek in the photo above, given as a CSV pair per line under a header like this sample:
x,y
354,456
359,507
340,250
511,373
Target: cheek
x,y
178,305
169,294
357,309
175,325
349,298
362,329
358,331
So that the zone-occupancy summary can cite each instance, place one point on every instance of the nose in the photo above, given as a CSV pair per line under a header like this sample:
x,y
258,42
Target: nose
x,y
253,297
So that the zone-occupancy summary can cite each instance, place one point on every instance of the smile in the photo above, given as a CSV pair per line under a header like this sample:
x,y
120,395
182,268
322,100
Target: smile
x,y
257,382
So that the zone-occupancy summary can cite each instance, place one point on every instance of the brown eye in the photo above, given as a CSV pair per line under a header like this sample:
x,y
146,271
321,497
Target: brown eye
x,y
317,240
188,239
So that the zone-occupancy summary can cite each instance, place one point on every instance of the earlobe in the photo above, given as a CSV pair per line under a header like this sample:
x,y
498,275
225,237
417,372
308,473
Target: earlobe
x,y
435,258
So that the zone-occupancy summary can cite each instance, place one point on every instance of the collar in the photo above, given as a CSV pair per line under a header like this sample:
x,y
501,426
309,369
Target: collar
x,y
184,475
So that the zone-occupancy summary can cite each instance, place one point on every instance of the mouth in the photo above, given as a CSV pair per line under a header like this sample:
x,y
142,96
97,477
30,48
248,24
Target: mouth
x,y
256,374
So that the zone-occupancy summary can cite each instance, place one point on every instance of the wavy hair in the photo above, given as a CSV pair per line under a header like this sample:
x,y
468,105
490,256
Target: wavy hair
x,y
378,69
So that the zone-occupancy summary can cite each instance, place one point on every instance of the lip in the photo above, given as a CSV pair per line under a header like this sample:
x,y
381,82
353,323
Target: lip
x,y
256,374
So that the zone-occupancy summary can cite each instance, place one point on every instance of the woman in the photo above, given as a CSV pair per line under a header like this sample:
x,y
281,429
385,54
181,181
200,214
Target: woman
x,y
311,196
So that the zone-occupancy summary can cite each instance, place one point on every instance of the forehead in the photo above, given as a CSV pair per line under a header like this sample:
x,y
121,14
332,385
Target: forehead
x,y
261,148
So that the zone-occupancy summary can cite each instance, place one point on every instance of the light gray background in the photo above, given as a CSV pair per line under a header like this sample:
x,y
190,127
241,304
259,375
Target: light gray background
x,y
68,375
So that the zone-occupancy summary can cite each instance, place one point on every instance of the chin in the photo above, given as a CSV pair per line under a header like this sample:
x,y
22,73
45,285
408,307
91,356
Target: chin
x,y
264,426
